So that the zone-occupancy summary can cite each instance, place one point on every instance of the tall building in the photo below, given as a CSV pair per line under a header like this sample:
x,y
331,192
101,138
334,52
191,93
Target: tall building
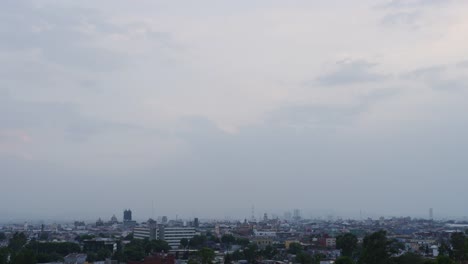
x,y
296,215
196,223
127,215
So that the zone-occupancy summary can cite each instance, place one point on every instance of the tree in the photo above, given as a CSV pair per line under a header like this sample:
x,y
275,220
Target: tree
x,y
4,253
318,257
457,240
409,258
25,256
242,241
228,240
17,242
443,260
206,255
344,260
237,255
444,249
250,252
227,259
184,242
91,257
197,241
295,248
347,243
2,236
103,253
134,250
159,245
304,258
377,249
269,252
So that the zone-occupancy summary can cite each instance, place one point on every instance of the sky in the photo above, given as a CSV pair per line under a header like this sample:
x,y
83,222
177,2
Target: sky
x,y
206,108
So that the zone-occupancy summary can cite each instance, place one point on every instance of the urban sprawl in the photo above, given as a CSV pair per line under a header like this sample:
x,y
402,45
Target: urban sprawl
x,y
289,239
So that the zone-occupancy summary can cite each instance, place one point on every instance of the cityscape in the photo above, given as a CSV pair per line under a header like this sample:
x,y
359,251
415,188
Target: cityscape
x,y
289,239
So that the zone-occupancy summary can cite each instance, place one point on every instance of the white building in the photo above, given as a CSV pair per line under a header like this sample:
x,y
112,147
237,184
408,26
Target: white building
x,y
172,235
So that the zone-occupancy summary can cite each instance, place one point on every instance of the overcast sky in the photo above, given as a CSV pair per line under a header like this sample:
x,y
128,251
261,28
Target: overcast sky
x,y
208,107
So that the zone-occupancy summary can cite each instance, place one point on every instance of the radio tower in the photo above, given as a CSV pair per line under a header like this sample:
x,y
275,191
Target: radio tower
x,y
253,213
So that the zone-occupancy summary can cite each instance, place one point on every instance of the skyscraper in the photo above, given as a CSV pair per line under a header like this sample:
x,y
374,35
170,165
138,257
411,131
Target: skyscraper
x,y
127,215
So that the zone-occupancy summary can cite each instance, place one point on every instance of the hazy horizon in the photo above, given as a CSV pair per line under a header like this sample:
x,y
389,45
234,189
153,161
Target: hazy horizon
x,y
209,107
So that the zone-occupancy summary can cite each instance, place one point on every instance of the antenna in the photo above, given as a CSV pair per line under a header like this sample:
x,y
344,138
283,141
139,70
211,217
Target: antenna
x,y
152,209
253,212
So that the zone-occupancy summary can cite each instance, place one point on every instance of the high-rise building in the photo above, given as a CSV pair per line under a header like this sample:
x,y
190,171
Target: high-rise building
x,y
297,214
127,215
195,222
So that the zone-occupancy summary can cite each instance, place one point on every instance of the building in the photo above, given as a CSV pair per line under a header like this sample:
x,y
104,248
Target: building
x,y
96,244
75,258
173,235
330,242
156,259
145,232
127,215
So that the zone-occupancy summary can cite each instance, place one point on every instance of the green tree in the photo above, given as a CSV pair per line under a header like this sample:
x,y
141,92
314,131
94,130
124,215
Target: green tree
x,y
228,259
344,260
134,251
304,258
444,249
347,243
318,257
17,241
4,253
237,255
184,242
103,254
197,241
457,240
159,245
91,257
295,248
251,252
206,255
443,260
377,249
25,256
269,252
228,240
242,241
2,236
409,258
129,236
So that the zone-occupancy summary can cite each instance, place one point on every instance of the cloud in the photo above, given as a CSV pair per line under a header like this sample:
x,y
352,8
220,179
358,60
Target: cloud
x,y
450,77
351,72
107,95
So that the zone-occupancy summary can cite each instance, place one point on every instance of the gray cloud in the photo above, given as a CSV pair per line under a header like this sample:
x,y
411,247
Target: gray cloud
x,y
437,77
426,72
403,18
58,33
109,98
350,72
